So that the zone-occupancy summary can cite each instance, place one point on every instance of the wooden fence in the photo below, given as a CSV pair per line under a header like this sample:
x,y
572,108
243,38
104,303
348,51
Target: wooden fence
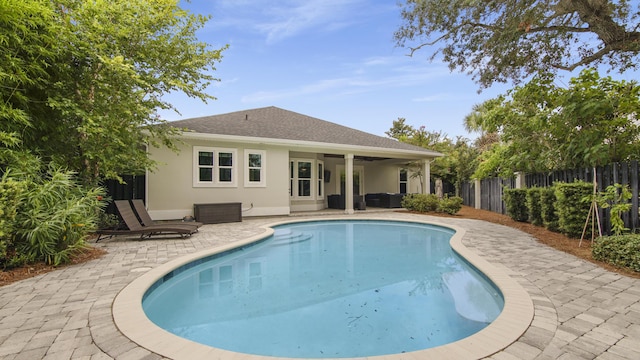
x,y
626,173
134,187
490,193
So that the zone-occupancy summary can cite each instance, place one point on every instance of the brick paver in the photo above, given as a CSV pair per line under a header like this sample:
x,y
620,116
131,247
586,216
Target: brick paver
x,y
581,310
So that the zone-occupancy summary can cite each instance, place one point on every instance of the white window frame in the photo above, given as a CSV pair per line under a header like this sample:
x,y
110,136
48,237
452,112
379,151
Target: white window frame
x,y
262,168
320,189
215,182
293,181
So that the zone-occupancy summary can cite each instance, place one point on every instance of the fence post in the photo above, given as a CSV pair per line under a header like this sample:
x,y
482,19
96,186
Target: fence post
x,y
478,194
520,180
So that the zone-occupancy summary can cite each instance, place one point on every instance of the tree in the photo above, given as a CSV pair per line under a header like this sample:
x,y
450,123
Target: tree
x,y
112,63
544,127
473,123
497,41
454,168
400,130
26,43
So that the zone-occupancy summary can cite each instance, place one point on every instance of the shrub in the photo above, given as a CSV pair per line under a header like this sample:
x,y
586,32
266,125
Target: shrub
x,y
572,205
619,250
534,205
548,208
54,216
450,205
516,202
616,197
108,221
10,190
420,202
430,202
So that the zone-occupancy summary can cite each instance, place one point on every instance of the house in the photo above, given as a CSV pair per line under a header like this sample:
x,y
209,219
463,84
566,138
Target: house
x,y
274,161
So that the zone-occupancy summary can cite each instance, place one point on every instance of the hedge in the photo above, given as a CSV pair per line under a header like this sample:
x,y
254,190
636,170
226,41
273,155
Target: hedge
x,y
572,206
516,202
534,205
548,208
619,250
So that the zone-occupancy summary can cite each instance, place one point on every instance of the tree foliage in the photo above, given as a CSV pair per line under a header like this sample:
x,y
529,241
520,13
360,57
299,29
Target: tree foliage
x,y
457,164
91,76
497,41
592,122
25,51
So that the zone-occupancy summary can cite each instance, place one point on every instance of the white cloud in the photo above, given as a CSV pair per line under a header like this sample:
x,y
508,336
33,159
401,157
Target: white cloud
x,y
351,85
281,19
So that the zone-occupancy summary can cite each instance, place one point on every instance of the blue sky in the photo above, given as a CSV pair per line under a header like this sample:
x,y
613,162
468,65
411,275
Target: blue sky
x,y
331,59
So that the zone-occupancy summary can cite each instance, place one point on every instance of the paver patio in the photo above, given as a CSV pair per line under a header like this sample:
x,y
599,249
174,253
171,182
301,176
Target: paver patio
x,y
581,310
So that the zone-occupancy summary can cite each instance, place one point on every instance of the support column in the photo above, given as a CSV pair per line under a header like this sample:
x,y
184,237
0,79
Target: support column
x,y
426,170
348,184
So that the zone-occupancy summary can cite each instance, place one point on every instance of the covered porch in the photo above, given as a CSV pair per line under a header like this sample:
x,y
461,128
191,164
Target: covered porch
x,y
351,182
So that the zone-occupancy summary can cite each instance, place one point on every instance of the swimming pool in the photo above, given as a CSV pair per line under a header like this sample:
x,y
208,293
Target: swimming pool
x,y
329,289
132,322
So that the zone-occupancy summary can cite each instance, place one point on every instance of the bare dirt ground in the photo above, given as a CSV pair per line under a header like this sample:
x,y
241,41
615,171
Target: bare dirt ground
x,y
24,272
552,239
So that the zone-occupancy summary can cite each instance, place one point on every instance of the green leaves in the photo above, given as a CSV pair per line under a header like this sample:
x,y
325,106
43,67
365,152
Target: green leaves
x,y
54,214
620,250
460,157
545,127
512,40
616,197
83,80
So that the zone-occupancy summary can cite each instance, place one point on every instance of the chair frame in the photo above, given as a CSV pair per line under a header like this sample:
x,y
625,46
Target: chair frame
x,y
134,226
146,220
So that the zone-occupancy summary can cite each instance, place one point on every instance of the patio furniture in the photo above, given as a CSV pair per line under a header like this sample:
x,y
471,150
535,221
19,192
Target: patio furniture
x,y
217,213
385,200
145,218
338,202
134,227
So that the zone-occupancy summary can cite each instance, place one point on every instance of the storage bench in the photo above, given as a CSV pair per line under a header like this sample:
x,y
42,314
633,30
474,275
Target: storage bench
x,y
217,213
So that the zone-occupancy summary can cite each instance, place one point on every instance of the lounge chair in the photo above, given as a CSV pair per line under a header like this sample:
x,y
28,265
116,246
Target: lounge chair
x,y
145,218
135,227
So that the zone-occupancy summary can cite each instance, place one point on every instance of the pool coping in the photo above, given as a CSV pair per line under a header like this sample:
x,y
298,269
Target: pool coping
x,y
512,322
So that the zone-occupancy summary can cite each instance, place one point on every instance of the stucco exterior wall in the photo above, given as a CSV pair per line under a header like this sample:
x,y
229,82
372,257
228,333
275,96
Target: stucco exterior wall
x,y
379,177
171,192
382,178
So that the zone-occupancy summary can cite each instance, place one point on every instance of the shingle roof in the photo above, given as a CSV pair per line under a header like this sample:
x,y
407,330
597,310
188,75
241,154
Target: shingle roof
x,y
276,123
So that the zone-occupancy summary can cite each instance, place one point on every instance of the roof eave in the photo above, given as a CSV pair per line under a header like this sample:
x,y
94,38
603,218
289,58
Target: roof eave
x,y
312,145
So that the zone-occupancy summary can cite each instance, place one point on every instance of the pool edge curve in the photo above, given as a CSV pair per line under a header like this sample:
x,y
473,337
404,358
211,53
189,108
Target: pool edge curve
x,y
513,321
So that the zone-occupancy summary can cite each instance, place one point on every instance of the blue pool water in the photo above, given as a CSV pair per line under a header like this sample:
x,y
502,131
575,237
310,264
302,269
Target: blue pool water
x,y
325,289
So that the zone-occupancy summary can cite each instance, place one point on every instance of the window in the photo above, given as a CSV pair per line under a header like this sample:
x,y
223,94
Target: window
x,y
304,179
320,188
214,167
291,178
255,168
403,181
225,167
205,166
